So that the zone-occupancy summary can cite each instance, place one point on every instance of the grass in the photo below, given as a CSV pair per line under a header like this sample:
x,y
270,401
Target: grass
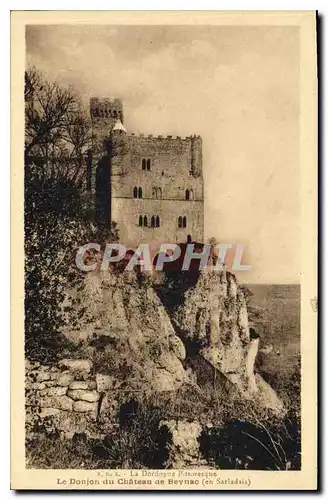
x,y
236,435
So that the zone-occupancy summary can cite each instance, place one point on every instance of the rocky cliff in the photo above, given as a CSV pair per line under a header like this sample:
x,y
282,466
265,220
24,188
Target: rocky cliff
x,y
149,335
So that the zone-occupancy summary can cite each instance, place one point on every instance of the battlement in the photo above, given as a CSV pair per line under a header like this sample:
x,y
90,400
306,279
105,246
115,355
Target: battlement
x,y
106,108
188,138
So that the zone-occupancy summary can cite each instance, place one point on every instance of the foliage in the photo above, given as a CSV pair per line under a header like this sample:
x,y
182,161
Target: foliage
x,y
57,129
288,388
48,451
138,443
241,444
57,219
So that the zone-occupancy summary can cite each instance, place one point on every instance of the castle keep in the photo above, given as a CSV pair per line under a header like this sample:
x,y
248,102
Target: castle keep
x,y
151,186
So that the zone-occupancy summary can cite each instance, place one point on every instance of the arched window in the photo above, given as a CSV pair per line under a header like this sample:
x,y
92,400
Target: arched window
x,y
180,221
135,192
157,221
184,222
155,192
139,192
145,221
148,164
152,223
159,193
187,194
143,164
140,220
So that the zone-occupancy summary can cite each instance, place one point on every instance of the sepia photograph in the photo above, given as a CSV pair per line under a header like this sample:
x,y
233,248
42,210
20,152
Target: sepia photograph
x,y
162,199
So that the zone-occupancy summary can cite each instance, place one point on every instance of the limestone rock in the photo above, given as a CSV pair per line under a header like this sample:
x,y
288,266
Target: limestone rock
x,y
76,365
177,347
212,313
53,391
65,378
49,412
58,402
79,384
268,396
85,406
35,385
67,435
183,443
42,376
31,365
79,394
72,422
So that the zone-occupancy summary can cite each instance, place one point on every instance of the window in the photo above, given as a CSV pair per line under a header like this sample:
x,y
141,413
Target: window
x,y
140,220
182,221
152,223
189,194
146,164
157,192
137,192
157,221
145,221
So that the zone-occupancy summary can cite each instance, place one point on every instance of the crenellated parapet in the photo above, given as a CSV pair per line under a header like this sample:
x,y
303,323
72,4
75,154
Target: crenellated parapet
x,y
101,108
179,138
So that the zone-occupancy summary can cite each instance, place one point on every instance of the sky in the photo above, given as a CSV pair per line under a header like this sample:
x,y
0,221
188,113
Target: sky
x,y
238,87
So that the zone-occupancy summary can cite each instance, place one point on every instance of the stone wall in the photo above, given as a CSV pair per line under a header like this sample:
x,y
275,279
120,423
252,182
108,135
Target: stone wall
x,y
68,398
175,167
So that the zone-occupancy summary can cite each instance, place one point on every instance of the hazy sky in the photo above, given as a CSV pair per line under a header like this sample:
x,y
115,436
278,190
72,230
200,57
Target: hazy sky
x,y
238,87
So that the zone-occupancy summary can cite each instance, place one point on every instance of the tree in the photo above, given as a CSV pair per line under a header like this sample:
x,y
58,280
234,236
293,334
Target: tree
x,y
57,221
57,129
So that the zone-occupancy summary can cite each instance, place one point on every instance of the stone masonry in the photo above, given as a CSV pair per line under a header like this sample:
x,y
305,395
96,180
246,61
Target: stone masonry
x,y
151,186
67,398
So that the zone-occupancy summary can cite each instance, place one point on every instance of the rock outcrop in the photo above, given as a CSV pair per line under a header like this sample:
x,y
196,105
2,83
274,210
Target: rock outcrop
x,y
183,444
137,336
125,319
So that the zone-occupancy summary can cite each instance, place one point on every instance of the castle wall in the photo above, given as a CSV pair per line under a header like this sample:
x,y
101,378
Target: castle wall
x,y
164,186
170,168
104,113
126,213
167,169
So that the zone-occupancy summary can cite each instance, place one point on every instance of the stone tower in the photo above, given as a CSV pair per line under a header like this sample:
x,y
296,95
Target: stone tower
x,y
104,113
151,186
